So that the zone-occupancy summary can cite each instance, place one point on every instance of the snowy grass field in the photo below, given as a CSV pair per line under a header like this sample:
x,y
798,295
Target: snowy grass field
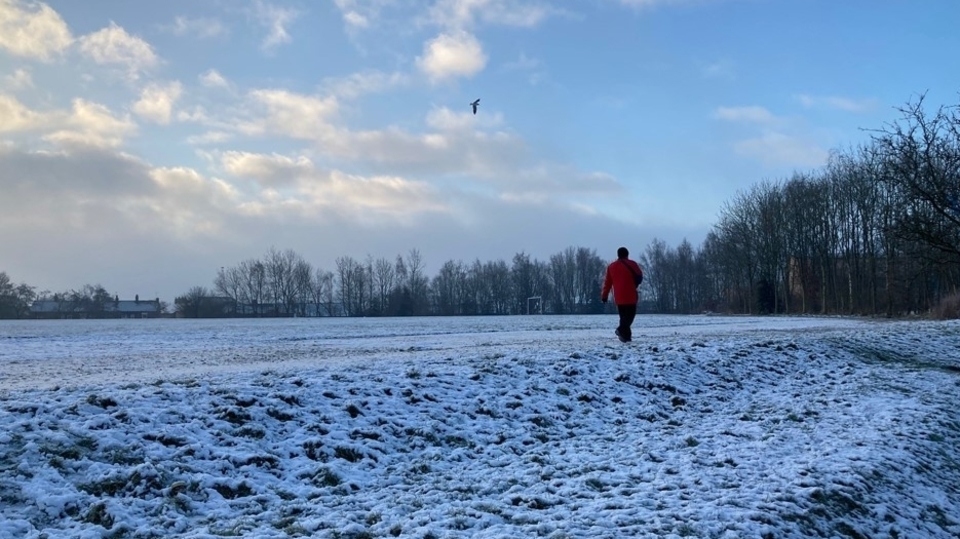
x,y
539,426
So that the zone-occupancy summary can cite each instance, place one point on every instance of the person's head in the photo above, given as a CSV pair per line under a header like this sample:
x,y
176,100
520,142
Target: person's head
x,y
623,252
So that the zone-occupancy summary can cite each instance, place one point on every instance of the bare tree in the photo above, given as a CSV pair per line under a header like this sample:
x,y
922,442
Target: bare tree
x,y
384,279
323,292
190,305
15,300
921,154
449,288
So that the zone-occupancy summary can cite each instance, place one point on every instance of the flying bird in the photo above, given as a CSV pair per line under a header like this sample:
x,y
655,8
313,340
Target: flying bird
x,y
475,104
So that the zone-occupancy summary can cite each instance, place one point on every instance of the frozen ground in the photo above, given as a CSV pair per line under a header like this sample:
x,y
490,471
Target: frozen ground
x,y
480,427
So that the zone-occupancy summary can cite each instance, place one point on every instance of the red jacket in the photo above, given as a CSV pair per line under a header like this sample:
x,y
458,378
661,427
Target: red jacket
x,y
620,278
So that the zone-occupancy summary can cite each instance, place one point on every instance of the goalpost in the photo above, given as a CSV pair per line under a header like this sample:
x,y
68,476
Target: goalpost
x,y
539,304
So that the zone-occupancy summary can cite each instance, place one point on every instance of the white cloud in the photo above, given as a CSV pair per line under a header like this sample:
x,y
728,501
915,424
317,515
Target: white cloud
x,y
213,79
269,170
361,14
364,82
753,114
114,46
15,117
291,114
19,80
32,30
838,103
351,14
452,55
276,20
210,137
355,20
779,149
202,28
444,119
157,100
458,14
375,198
86,124
91,124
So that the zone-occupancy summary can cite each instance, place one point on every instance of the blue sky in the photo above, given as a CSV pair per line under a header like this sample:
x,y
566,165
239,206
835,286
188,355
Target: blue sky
x,y
143,145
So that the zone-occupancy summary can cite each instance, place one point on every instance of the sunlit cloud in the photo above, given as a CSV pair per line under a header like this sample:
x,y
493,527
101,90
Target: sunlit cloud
x,y
157,100
452,55
114,46
32,30
213,79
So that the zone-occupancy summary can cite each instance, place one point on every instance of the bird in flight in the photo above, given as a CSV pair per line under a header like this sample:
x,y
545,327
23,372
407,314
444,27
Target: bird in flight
x,y
475,104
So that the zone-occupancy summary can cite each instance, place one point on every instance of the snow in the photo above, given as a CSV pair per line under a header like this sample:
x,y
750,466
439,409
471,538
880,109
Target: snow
x,y
532,426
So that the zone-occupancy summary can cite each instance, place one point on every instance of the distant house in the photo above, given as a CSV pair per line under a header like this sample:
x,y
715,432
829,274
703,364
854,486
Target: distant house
x,y
118,308
136,308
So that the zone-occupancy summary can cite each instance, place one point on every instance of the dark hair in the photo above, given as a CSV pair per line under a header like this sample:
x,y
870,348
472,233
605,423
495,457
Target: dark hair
x,y
623,252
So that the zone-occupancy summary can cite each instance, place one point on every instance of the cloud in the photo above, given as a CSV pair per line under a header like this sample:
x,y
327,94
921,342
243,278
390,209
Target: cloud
x,y
650,4
19,80
213,79
444,119
92,125
780,149
357,14
753,114
15,117
82,173
210,137
838,103
269,170
32,30
522,63
157,100
114,46
86,124
364,82
291,114
456,145
275,20
202,28
294,184
452,55
721,69
459,14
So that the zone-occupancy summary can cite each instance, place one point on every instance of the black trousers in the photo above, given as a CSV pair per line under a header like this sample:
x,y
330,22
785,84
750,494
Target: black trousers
x,y
627,314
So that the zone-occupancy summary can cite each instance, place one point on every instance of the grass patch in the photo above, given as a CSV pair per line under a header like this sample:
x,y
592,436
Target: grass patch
x,y
243,490
348,454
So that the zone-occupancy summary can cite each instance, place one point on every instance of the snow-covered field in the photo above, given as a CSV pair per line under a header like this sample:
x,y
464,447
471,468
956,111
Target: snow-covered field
x,y
538,426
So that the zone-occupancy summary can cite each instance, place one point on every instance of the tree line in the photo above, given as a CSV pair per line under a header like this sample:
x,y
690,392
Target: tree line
x,y
283,283
876,232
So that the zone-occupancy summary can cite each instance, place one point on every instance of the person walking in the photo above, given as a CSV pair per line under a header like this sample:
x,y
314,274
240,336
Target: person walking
x,y
624,277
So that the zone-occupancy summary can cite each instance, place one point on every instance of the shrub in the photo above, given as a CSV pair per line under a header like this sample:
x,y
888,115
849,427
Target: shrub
x,y
948,308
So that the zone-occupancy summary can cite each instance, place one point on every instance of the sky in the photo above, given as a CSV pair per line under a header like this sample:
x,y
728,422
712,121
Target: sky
x,y
143,146
498,427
